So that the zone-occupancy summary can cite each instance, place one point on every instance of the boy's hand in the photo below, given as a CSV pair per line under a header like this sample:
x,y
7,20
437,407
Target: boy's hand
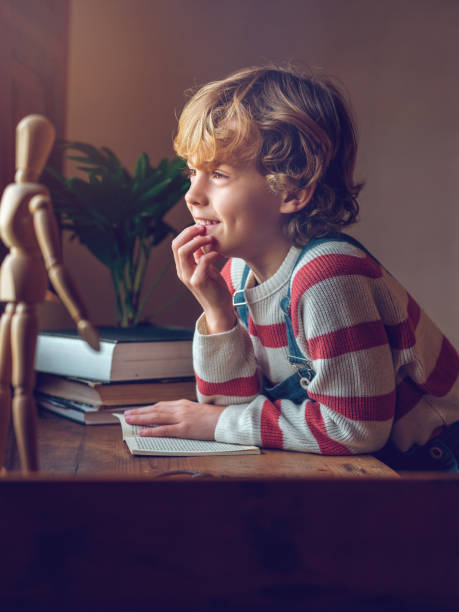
x,y
194,262
176,419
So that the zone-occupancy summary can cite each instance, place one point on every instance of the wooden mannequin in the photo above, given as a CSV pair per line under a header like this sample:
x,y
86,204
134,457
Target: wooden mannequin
x,y
29,229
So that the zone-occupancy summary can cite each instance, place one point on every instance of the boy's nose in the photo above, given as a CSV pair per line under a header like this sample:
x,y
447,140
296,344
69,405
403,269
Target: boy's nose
x,y
195,196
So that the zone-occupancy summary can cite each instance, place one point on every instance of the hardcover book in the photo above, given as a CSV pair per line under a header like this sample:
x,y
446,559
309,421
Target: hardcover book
x,y
141,353
78,411
127,393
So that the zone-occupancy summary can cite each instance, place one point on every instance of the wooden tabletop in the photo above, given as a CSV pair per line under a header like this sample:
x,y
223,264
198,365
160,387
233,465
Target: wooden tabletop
x,y
67,447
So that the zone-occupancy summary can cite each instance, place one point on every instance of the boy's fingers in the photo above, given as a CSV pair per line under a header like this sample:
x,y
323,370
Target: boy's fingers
x,y
193,244
153,417
204,252
184,237
140,410
185,254
162,431
198,254
140,419
188,234
204,270
205,265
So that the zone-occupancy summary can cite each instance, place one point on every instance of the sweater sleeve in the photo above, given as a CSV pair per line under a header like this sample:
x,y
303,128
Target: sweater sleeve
x,y
351,400
225,366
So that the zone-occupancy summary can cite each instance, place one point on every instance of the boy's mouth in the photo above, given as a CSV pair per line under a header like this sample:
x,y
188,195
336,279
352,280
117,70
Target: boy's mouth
x,y
207,223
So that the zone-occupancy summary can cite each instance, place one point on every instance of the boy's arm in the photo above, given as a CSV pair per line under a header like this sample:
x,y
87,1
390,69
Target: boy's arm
x,y
225,366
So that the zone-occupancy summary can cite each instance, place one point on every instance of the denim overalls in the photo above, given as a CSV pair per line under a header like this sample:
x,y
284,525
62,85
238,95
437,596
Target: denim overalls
x,y
440,453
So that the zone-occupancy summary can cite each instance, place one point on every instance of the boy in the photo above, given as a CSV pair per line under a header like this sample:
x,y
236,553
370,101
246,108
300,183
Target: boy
x,y
306,342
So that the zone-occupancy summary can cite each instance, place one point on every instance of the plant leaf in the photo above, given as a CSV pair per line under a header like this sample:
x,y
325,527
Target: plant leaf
x,y
154,191
112,157
143,163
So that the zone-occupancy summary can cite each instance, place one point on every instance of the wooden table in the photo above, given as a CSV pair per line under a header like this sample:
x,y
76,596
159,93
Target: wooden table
x,y
100,530
73,449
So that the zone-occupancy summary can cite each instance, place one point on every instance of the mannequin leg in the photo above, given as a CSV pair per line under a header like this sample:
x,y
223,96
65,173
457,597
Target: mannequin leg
x,y
24,332
5,379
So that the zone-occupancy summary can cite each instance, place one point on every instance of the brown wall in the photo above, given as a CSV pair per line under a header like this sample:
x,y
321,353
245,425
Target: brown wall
x,y
33,69
131,61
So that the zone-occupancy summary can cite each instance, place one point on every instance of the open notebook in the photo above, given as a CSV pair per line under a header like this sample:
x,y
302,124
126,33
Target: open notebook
x,y
178,447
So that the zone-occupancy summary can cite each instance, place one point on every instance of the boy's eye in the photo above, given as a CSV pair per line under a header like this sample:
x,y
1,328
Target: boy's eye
x,y
189,172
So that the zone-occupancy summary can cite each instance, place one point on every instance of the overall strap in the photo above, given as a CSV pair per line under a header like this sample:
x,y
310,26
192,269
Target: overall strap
x,y
239,301
295,356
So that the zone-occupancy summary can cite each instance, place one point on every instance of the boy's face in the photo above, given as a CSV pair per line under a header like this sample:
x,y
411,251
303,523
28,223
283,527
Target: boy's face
x,y
240,212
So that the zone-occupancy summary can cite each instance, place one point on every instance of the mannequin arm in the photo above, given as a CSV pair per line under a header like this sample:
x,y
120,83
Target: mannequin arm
x,y
47,233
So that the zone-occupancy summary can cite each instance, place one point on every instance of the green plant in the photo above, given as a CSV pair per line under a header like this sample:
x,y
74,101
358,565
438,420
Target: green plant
x,y
119,217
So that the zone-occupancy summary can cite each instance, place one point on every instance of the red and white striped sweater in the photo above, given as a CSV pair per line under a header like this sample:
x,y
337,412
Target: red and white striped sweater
x,y
383,369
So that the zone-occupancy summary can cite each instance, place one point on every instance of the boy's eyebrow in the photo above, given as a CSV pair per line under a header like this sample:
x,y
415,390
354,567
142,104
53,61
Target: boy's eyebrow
x,y
190,164
207,166
212,165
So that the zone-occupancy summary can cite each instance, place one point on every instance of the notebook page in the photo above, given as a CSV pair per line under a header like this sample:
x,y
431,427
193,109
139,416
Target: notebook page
x,y
177,446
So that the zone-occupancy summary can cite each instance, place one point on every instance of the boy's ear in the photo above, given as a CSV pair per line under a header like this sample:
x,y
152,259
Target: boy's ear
x,y
293,201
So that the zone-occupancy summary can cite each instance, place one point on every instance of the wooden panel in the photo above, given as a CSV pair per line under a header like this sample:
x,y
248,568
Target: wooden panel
x,y
6,158
287,545
33,72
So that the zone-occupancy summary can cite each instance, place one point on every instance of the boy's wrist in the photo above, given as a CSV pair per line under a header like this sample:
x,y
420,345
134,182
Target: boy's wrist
x,y
217,324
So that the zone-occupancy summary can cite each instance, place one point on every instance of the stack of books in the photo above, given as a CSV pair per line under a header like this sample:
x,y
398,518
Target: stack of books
x,y
134,367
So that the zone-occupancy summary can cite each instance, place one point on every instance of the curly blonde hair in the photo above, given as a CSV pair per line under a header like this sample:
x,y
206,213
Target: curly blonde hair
x,y
299,130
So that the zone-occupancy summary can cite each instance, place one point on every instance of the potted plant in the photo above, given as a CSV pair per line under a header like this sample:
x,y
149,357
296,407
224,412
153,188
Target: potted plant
x,y
119,217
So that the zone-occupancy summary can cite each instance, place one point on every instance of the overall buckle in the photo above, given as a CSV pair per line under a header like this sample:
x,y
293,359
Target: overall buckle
x,y
242,303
